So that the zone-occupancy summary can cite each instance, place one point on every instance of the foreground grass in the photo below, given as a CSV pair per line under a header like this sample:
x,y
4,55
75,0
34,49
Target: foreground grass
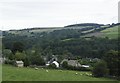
x,y
0,72
11,73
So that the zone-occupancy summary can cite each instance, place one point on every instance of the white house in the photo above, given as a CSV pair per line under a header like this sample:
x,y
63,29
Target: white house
x,y
19,63
56,63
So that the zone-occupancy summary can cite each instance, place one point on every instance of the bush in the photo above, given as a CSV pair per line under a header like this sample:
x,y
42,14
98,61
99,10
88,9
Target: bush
x,y
11,62
84,69
37,60
71,67
65,64
100,69
53,66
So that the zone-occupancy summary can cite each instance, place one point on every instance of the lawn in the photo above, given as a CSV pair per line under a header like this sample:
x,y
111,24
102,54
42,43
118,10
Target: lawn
x,y
11,73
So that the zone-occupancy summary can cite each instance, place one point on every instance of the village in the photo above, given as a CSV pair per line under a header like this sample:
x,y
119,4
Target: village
x,y
67,63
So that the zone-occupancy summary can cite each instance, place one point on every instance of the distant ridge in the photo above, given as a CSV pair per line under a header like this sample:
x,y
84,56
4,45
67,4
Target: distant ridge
x,y
34,28
85,24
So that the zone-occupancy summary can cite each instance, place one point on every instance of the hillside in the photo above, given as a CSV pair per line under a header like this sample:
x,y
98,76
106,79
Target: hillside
x,y
30,31
61,40
111,32
85,24
82,30
37,46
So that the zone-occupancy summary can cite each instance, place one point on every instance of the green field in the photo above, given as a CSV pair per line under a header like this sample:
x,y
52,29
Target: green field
x,y
0,72
111,32
11,73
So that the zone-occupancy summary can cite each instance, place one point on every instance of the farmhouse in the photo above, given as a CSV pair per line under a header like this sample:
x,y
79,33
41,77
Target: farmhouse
x,y
74,63
19,63
56,63
53,61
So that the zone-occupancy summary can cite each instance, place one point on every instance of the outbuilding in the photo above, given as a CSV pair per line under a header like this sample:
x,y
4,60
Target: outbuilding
x,y
85,66
19,63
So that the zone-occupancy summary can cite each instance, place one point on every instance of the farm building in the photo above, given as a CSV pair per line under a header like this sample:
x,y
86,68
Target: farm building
x,y
85,66
56,63
53,60
74,63
19,63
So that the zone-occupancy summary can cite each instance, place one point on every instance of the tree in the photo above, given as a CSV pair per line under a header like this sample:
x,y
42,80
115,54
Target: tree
x,y
52,66
100,69
17,46
19,55
26,62
6,53
112,58
37,60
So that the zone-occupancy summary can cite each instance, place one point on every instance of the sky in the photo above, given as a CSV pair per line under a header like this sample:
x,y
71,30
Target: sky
x,y
20,14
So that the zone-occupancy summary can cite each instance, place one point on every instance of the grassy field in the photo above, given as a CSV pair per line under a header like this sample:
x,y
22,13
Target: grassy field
x,y
111,32
0,72
11,73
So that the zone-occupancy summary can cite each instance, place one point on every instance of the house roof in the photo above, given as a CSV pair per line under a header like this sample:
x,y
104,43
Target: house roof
x,y
19,62
86,66
72,62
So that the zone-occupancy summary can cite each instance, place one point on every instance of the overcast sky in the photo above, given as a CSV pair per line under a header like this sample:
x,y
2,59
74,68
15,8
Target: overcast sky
x,y
19,14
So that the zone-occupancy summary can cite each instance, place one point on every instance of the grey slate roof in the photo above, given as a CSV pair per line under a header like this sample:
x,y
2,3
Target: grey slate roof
x,y
72,62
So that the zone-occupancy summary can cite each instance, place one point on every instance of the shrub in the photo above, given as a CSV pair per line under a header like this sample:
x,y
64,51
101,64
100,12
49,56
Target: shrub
x,y
11,62
65,64
53,66
37,60
71,67
84,69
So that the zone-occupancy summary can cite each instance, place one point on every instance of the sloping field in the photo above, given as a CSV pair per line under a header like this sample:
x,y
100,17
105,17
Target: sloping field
x,y
111,32
11,73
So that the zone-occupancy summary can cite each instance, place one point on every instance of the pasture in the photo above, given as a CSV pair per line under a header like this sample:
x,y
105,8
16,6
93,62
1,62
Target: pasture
x,y
111,32
11,73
